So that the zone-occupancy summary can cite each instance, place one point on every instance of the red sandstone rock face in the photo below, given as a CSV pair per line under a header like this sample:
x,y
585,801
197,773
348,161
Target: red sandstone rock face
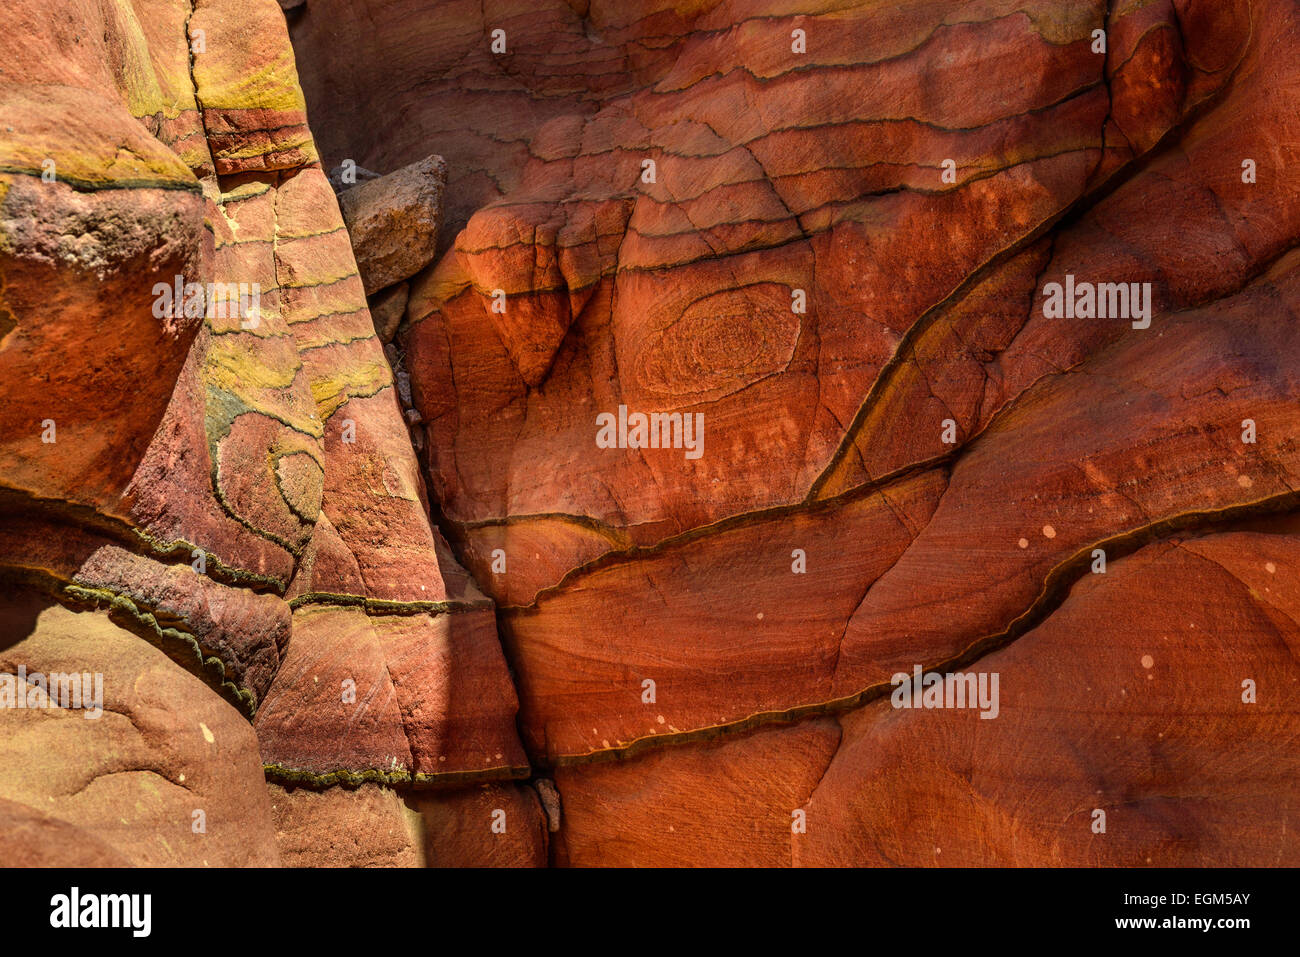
x,y
390,574
906,459
488,825
1127,700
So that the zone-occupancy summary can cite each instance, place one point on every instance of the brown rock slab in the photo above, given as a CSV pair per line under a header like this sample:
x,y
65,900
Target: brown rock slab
x,y
31,838
489,825
730,629
730,803
247,632
387,307
393,221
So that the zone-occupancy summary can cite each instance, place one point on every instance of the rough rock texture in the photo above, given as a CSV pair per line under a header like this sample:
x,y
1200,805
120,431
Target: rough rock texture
x,y
490,825
387,308
347,593
1128,699
345,827
125,785
215,480
430,698
31,838
840,256
393,221
343,177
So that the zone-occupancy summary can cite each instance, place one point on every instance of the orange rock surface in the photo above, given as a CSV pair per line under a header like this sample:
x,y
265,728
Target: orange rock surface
x,y
969,327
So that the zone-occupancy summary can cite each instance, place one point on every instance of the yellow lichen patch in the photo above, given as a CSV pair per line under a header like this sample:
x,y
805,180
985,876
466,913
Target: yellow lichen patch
x,y
261,379
1057,23
302,304
227,83
4,240
447,280
228,78
245,190
93,142
344,381
253,105
333,329
303,144
291,278
136,74
286,237
248,208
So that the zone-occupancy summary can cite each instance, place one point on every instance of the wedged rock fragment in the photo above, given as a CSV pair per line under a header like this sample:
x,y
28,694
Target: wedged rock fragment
x,y
393,221
387,308
343,177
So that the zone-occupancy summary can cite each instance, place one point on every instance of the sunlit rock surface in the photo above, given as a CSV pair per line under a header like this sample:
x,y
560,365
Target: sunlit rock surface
x,y
965,331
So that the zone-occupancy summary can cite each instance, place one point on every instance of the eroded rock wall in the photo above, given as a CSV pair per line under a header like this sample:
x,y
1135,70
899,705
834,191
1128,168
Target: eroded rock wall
x,y
231,482
832,231
414,598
